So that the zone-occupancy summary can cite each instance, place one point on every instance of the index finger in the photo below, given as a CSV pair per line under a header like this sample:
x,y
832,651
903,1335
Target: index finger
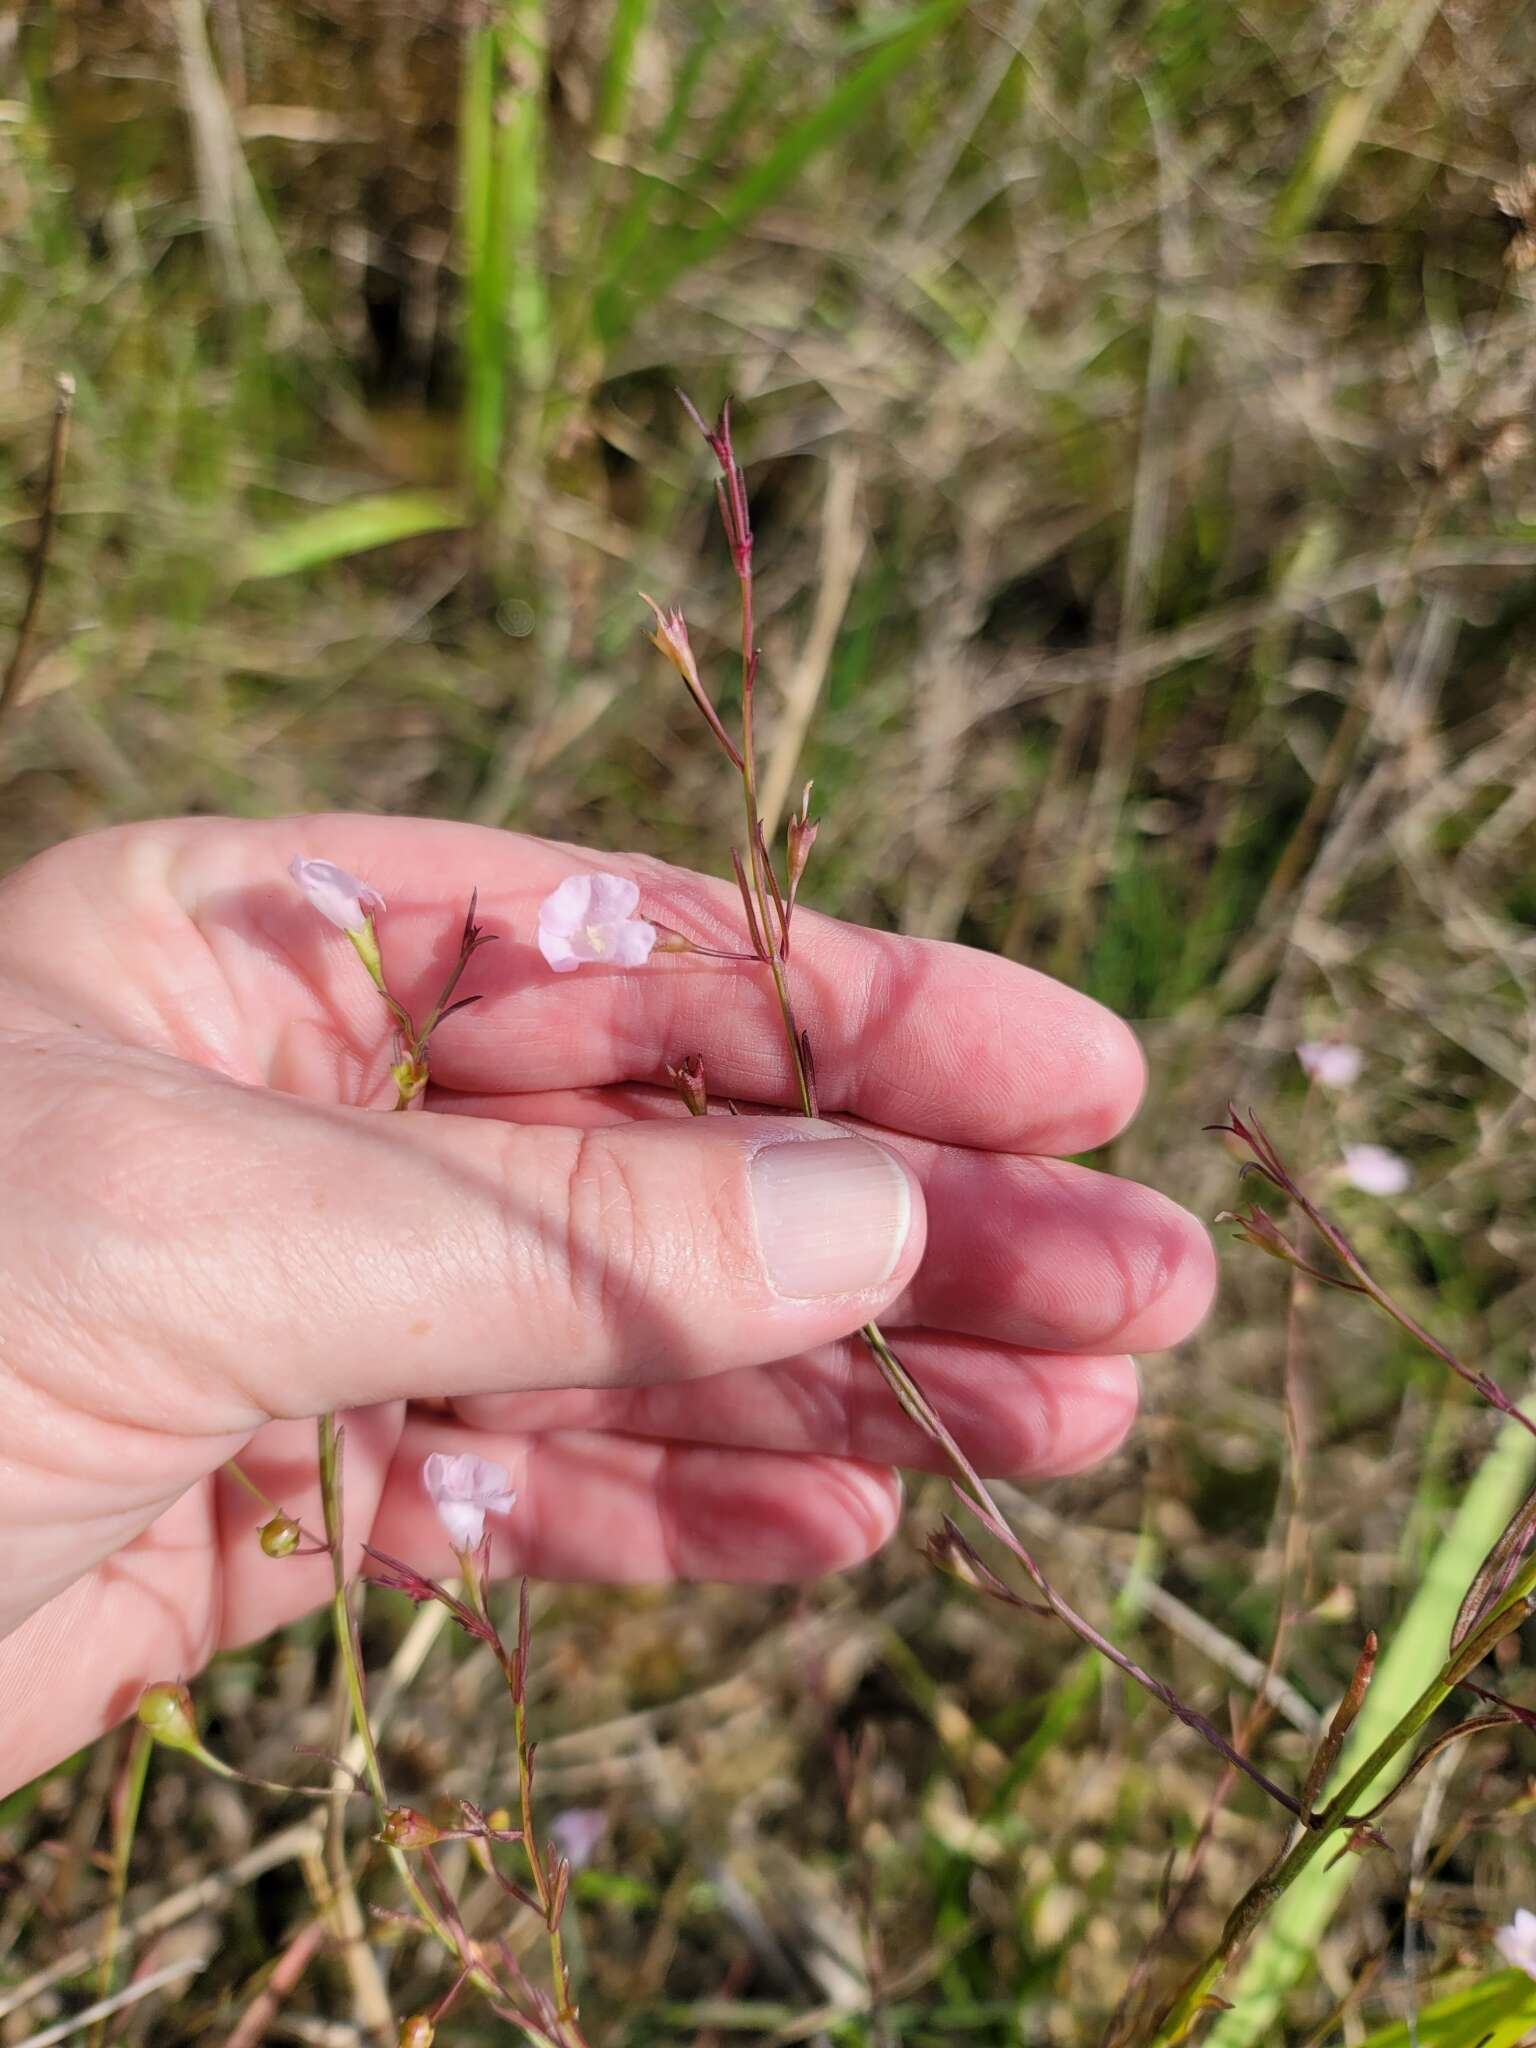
x,y
919,1035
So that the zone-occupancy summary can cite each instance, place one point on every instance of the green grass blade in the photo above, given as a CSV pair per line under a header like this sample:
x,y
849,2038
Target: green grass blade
x,y
843,109
520,136
629,19
626,247
1285,1948
501,184
1497,2013
350,529
484,286
1388,45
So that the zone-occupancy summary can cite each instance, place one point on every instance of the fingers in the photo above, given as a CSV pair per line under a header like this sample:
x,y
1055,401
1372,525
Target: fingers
x,y
246,1255
1043,1253
592,1506
1027,1252
927,1037
1015,1414
605,1508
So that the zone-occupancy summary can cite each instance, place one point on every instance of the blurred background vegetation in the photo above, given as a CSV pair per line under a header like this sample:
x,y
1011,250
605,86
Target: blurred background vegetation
x,y
1135,398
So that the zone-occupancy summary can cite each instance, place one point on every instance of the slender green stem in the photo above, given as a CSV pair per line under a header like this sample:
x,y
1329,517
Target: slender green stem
x,y
1182,2011
513,1669
15,671
127,1798
341,1610
564,2012
345,1630
755,849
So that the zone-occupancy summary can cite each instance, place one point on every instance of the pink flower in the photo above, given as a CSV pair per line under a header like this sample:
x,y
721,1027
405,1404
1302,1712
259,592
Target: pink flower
x,y
1516,1943
592,917
1330,1062
464,1491
338,896
1375,1170
577,1832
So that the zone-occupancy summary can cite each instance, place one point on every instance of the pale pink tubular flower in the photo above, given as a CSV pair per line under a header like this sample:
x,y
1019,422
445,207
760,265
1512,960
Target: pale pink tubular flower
x,y
339,897
464,1490
1330,1062
591,918
1516,1943
1375,1170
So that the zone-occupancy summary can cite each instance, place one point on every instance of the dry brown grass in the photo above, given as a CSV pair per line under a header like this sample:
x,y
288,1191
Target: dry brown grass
x,y
1163,587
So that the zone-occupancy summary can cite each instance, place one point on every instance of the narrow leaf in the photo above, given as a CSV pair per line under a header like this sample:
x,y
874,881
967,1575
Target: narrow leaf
x,y
338,531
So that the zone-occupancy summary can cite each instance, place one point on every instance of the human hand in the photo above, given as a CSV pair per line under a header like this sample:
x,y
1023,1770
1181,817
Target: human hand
x,y
205,1243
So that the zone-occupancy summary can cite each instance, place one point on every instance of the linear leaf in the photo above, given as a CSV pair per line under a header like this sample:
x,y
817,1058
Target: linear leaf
x,y
1285,1948
350,529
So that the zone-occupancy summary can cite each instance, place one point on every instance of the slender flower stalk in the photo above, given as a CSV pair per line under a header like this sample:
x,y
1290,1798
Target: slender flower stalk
x,y
350,905
344,1626
768,913
127,1797
1338,1815
1266,1164
550,1872
1501,1596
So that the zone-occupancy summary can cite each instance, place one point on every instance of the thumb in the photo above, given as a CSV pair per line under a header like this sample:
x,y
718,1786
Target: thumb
x,y
286,1257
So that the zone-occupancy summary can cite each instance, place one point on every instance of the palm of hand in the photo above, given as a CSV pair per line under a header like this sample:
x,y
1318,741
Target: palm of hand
x,y
212,1243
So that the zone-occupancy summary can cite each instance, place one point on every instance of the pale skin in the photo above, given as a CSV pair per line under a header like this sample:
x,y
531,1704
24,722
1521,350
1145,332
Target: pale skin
x,y
213,1232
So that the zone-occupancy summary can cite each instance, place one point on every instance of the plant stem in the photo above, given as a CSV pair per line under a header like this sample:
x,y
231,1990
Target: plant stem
x,y
15,672
914,1402
514,1670
345,1630
1180,2014
127,1798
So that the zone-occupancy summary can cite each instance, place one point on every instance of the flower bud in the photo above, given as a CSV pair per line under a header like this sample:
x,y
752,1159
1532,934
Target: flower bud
x,y
802,837
1257,1227
280,1537
687,1077
405,1828
417,2032
340,898
410,1076
671,639
166,1710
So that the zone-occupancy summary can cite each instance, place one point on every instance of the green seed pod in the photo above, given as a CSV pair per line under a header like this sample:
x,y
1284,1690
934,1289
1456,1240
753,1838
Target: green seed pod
x,y
166,1711
280,1537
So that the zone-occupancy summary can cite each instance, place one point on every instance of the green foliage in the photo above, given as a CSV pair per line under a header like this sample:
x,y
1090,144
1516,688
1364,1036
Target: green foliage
x,y
1286,1945
353,528
1499,2012
937,235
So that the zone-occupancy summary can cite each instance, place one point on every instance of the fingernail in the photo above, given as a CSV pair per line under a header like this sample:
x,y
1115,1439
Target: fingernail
x,y
832,1215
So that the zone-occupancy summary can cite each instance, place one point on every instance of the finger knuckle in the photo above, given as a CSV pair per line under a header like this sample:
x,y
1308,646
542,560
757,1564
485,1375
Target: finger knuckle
x,y
608,1250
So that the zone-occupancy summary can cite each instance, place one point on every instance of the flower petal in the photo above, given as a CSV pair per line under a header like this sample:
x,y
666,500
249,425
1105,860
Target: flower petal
x,y
613,897
464,1522
558,951
631,943
1375,1170
569,907
339,897
1330,1061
